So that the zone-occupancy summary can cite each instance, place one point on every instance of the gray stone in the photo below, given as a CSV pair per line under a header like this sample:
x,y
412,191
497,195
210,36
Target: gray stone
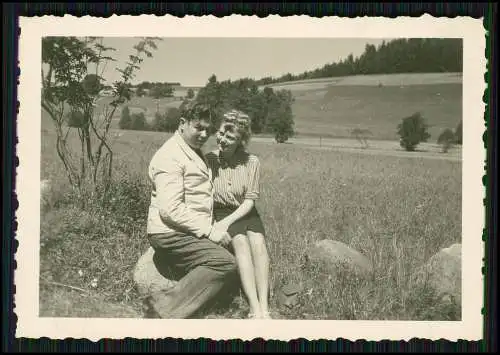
x,y
443,273
330,254
288,295
152,276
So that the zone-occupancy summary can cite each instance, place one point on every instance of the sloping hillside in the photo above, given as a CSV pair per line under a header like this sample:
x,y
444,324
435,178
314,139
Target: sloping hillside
x,y
332,107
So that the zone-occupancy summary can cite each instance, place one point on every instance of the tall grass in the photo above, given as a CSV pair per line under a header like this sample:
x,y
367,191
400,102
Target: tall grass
x,y
396,211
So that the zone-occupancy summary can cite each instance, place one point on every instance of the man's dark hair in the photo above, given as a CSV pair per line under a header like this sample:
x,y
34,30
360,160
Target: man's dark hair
x,y
196,110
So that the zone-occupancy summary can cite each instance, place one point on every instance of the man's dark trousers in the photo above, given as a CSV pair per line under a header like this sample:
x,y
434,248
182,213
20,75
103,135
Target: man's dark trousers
x,y
204,267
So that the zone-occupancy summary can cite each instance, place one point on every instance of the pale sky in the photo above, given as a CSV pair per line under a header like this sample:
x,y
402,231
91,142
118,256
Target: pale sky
x,y
191,61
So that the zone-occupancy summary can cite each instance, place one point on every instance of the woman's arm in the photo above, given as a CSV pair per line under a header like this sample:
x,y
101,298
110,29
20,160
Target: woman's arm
x,y
251,194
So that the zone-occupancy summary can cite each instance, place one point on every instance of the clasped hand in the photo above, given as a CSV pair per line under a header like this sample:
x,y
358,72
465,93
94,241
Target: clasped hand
x,y
219,234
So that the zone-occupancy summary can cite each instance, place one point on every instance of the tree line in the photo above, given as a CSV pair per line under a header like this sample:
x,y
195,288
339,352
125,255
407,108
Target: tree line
x,y
270,110
414,55
156,90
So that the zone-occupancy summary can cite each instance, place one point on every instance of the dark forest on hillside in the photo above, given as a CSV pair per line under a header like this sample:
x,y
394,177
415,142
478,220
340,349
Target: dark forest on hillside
x,y
414,55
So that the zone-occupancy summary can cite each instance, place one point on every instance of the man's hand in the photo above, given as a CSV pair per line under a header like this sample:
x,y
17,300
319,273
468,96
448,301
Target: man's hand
x,y
219,235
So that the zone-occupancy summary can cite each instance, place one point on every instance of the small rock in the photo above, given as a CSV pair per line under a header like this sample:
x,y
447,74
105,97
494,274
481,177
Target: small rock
x,y
288,295
455,250
443,272
329,253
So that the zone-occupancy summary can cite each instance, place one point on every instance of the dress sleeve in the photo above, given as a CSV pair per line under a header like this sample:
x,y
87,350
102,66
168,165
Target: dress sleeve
x,y
252,191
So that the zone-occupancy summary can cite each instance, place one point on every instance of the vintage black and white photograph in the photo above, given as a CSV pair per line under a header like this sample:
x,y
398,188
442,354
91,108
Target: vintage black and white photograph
x,y
252,178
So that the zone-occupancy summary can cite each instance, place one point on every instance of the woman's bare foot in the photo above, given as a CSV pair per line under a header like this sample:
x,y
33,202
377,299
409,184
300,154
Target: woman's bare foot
x,y
266,315
253,315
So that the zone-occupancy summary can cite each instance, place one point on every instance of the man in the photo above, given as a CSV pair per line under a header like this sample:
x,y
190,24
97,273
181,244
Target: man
x,y
180,223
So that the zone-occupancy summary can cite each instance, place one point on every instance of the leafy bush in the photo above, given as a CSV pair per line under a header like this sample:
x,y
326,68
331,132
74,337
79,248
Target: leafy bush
x,y
446,139
167,122
139,122
413,131
92,84
125,119
75,119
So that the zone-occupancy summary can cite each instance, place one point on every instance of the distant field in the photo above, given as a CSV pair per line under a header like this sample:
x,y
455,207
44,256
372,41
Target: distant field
x,y
333,107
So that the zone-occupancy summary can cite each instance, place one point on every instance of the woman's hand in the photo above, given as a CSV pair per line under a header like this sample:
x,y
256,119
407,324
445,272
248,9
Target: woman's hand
x,y
222,225
219,236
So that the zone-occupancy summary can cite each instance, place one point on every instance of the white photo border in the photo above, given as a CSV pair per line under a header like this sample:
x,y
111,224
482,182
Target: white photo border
x,y
30,325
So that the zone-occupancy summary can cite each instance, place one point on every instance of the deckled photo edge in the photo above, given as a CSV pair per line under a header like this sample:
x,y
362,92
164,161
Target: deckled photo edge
x,y
28,148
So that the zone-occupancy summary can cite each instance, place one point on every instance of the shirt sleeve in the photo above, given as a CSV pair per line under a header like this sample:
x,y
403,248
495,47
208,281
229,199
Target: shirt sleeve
x,y
169,184
252,191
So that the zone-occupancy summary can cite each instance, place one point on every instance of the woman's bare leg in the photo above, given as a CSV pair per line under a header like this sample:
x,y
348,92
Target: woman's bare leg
x,y
246,270
261,264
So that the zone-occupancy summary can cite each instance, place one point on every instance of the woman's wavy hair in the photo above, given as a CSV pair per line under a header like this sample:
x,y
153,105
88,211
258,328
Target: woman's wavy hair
x,y
239,121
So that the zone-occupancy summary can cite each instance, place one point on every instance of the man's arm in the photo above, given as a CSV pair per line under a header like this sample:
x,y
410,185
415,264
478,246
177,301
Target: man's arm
x,y
170,195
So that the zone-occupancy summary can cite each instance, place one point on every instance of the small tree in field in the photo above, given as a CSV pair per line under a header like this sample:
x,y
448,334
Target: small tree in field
x,y
71,81
280,117
413,131
190,94
139,122
172,119
446,139
125,119
361,136
168,122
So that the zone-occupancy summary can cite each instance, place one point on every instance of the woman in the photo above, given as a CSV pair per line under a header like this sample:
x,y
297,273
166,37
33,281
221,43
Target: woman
x,y
236,187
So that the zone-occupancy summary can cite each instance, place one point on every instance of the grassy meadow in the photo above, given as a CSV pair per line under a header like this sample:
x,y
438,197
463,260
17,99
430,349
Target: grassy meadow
x,y
395,210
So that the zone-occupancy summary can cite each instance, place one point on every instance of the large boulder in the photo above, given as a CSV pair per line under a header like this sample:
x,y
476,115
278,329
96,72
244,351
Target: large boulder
x,y
443,273
331,255
152,275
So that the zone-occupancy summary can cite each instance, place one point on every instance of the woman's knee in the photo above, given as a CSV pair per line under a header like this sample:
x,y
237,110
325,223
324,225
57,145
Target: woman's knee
x,y
256,238
257,243
240,241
